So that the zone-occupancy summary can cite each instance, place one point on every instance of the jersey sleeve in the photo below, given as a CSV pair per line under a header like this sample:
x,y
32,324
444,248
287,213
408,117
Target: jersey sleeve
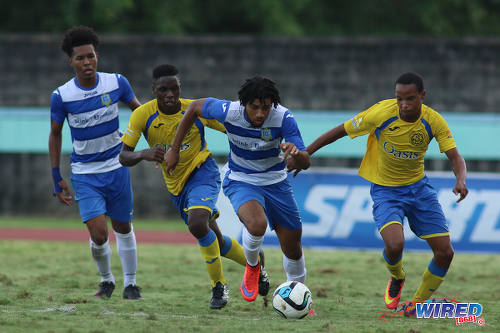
x,y
442,134
127,94
214,108
57,112
135,127
291,132
362,123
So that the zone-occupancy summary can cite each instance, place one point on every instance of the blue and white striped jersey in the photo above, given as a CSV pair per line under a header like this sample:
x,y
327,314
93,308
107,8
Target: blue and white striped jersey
x,y
93,120
254,155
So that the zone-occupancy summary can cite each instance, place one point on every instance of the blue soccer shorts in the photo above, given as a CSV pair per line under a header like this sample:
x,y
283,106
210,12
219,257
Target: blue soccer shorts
x,y
200,191
417,201
108,193
277,199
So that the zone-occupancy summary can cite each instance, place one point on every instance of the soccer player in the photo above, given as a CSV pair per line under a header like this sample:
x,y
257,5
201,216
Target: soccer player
x,y
256,182
89,102
195,185
400,131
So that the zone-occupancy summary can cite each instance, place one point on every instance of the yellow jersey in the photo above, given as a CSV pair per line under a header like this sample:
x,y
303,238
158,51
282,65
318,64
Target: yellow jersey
x,y
159,130
395,148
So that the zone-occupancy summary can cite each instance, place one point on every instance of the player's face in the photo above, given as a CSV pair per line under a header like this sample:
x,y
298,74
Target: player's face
x,y
409,101
167,90
84,62
258,111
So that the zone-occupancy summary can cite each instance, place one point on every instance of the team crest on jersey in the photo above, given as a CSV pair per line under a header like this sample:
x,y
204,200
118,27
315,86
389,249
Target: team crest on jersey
x,y
105,99
266,134
417,138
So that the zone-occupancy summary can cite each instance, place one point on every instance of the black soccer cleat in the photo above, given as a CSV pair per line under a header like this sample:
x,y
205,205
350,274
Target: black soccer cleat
x,y
132,292
263,277
105,289
220,296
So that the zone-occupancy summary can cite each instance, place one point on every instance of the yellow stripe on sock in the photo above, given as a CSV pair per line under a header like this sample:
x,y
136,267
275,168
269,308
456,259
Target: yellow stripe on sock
x,y
211,255
428,286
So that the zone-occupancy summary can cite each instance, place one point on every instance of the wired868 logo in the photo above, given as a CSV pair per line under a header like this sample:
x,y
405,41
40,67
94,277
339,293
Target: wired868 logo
x,y
441,309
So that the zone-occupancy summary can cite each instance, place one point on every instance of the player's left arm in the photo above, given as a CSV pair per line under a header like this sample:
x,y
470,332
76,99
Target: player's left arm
x,y
460,170
294,146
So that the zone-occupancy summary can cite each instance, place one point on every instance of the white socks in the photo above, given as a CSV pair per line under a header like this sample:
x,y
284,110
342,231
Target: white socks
x,y
251,246
102,258
127,250
295,269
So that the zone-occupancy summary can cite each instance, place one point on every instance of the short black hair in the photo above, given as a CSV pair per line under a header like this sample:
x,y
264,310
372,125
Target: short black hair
x,y
259,87
164,70
78,36
411,78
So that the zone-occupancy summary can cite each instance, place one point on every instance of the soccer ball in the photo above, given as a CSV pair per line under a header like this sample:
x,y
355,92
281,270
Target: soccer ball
x,y
292,299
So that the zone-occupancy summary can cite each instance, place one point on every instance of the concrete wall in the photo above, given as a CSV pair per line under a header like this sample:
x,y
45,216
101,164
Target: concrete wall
x,y
312,73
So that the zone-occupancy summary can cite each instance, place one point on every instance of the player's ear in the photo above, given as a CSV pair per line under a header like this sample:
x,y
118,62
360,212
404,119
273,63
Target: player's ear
x,y
422,95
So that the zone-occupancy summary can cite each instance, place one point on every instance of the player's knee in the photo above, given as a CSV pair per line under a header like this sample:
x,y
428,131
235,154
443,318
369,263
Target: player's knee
x,y
445,255
394,247
257,228
99,238
198,228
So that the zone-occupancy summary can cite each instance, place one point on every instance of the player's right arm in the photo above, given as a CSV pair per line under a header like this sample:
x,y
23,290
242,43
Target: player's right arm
x,y
135,127
193,111
61,189
129,157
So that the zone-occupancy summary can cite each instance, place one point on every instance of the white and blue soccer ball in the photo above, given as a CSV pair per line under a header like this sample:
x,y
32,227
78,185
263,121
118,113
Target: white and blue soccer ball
x,y
292,300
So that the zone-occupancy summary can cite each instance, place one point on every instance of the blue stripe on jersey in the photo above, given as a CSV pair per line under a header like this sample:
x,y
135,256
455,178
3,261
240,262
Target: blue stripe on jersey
x,y
92,103
256,133
384,125
254,155
235,167
102,156
148,124
97,131
427,128
201,130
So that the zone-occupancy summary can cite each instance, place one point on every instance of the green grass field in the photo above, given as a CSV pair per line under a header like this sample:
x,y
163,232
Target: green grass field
x,y
48,287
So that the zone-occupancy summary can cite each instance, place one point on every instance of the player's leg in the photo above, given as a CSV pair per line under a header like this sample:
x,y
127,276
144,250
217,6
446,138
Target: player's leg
x,y
393,236
92,207
231,249
196,204
428,222
436,270
101,253
248,202
293,256
119,208
388,214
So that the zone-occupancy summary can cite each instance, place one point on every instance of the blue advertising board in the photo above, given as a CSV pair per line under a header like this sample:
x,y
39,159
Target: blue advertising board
x,y
336,211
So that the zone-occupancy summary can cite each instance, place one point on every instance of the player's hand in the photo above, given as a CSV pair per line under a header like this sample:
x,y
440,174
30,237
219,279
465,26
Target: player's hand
x,y
65,196
289,148
171,159
460,189
155,154
291,165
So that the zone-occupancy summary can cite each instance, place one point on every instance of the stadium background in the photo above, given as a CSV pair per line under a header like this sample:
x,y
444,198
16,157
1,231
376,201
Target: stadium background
x,y
328,57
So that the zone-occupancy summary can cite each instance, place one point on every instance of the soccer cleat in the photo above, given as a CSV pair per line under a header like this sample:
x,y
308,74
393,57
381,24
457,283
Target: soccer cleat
x,y
311,313
132,292
410,310
105,289
263,276
220,296
250,284
393,292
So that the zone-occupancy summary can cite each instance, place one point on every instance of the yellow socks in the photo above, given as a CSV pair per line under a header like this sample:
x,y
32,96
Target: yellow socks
x,y
395,267
432,278
209,247
233,250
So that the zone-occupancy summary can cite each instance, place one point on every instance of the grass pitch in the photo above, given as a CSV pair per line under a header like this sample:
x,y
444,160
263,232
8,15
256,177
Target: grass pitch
x,y
48,287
